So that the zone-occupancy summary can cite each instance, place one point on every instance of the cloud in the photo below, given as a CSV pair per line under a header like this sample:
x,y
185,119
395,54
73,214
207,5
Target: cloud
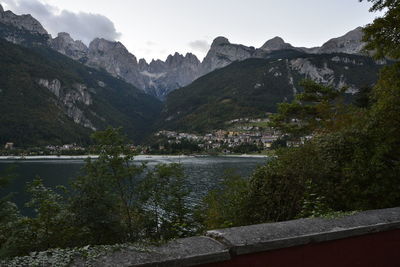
x,y
150,43
200,45
82,26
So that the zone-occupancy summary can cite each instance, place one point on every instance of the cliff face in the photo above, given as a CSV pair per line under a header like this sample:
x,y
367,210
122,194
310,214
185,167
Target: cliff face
x,y
26,22
22,29
157,78
69,100
165,76
223,53
64,44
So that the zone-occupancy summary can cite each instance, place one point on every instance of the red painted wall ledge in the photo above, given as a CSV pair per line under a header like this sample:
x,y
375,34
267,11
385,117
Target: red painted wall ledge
x,y
369,238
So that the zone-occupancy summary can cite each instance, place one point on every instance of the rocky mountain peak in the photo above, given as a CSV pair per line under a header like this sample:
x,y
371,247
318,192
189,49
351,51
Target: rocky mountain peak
x,y
1,9
101,44
142,61
101,47
223,53
276,43
64,44
178,60
65,36
143,64
350,43
356,34
115,59
192,58
171,59
25,22
220,41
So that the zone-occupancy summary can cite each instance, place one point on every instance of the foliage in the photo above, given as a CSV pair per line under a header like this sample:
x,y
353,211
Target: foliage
x,y
87,256
383,35
113,201
312,110
224,206
9,213
278,188
163,146
246,148
48,228
382,4
164,194
313,204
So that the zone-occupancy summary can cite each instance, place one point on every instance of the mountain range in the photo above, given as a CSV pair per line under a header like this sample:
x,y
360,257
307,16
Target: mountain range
x,y
159,78
48,98
59,90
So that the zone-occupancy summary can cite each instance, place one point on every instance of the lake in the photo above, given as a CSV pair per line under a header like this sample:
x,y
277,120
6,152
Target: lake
x,y
203,173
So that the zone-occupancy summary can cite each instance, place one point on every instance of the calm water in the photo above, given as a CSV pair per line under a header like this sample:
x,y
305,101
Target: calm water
x,y
203,173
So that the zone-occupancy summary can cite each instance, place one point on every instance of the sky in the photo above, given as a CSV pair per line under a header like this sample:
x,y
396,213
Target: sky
x,y
153,29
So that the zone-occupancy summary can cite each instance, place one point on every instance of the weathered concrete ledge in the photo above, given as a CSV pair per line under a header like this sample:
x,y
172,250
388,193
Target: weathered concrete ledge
x,y
181,252
225,245
265,237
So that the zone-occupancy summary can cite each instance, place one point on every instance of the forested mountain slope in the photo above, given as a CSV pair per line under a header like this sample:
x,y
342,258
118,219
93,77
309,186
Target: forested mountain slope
x,y
48,98
253,87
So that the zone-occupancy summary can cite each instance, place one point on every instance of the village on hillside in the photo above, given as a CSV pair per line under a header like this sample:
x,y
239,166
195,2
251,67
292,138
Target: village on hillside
x,y
241,135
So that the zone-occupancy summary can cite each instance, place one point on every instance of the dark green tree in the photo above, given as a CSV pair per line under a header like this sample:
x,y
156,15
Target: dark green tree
x,y
104,200
49,228
165,194
312,110
383,35
225,206
9,217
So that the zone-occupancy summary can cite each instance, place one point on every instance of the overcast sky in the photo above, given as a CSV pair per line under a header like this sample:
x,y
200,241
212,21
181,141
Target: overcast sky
x,y
157,28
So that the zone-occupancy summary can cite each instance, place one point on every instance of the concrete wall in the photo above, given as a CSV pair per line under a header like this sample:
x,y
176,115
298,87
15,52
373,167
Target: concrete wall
x,y
370,238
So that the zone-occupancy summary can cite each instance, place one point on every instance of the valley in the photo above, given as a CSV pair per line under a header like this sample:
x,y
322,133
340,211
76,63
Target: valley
x,y
91,87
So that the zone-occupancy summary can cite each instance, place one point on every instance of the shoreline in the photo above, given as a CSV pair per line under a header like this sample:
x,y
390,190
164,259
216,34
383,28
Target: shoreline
x,y
138,157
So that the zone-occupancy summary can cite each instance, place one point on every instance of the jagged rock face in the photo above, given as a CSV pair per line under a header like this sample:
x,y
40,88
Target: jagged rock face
x,y
143,65
182,69
116,60
26,22
177,71
69,100
157,78
332,71
156,66
64,44
223,53
350,43
322,74
54,86
22,29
